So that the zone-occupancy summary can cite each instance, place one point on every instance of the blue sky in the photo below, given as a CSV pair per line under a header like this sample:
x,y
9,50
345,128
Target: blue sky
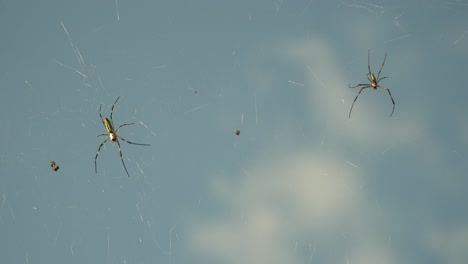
x,y
302,183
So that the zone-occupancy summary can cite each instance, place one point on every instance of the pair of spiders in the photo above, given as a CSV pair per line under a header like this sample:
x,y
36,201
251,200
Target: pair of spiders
x,y
114,137
373,83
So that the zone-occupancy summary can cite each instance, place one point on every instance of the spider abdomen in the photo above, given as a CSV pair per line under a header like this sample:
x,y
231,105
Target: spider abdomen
x,y
108,125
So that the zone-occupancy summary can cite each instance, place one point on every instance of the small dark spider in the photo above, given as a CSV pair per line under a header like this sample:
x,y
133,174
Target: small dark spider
x,y
373,83
54,166
237,132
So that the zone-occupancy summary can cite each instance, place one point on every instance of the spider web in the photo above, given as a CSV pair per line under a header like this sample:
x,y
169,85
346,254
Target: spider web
x,y
253,158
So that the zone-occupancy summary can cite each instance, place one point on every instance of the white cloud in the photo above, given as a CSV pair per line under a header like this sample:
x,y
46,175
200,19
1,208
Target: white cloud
x,y
277,203
451,244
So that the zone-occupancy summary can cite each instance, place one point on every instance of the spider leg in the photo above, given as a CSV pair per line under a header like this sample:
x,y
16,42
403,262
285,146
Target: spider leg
x,y
100,106
112,110
100,115
368,86
132,142
359,85
391,98
106,134
121,158
368,62
97,154
123,126
383,63
381,79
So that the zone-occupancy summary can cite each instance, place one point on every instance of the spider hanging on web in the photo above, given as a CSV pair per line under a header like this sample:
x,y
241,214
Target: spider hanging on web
x,y
113,136
373,83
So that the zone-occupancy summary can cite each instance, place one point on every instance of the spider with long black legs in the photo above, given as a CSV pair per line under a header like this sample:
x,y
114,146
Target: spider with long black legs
x,y
373,83
112,135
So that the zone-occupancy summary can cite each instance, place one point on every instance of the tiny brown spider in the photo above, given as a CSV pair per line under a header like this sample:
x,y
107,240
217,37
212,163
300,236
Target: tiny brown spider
x,y
373,83
54,166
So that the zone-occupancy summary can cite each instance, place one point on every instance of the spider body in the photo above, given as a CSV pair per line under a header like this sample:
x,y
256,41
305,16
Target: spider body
x,y
110,129
113,136
373,83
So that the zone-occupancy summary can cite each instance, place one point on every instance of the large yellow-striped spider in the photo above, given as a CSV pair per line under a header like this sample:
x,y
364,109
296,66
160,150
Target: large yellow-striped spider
x,y
373,83
112,135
